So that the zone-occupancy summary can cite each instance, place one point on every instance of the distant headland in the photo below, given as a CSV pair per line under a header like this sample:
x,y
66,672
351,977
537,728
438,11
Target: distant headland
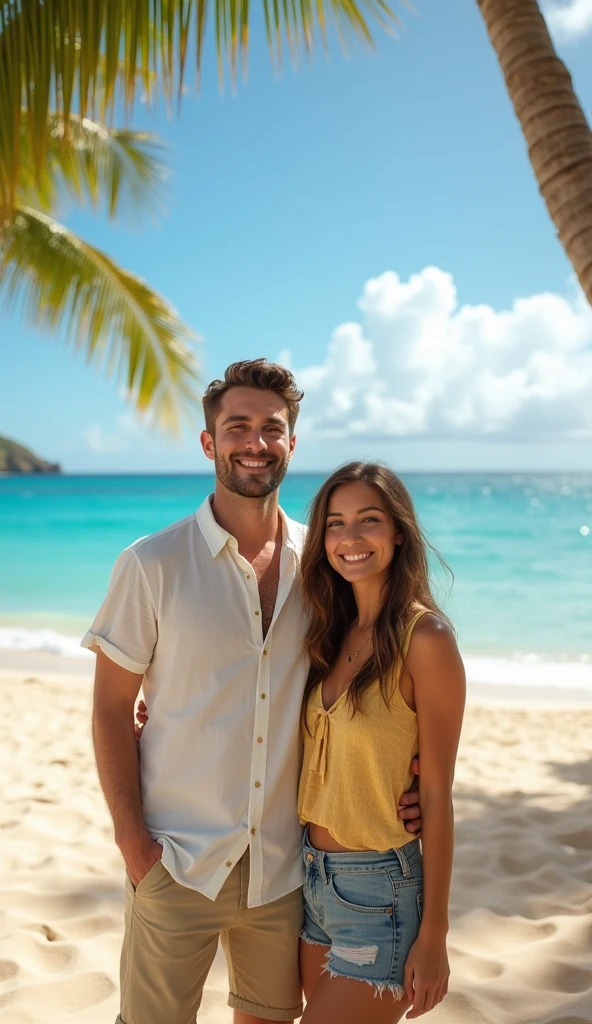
x,y
15,458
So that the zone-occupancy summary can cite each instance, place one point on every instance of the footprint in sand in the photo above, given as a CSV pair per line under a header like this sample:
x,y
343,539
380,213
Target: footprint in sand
x,y
67,995
37,953
499,935
529,861
69,905
578,840
8,969
474,968
460,1007
568,1020
564,977
14,1016
472,879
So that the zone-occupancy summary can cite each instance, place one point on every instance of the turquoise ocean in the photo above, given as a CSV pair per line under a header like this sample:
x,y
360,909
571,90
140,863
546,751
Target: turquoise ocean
x,y
519,546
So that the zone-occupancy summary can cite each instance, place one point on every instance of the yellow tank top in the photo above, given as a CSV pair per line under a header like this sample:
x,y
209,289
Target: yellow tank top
x,y
356,768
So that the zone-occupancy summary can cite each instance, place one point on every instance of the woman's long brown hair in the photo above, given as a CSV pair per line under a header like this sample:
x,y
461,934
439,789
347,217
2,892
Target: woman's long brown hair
x,y
329,599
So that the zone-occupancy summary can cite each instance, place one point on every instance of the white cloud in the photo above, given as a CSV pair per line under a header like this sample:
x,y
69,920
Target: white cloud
x,y
104,441
423,366
568,22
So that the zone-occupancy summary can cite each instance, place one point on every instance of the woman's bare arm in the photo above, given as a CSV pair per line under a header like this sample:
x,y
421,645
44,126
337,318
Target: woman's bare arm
x,y
438,676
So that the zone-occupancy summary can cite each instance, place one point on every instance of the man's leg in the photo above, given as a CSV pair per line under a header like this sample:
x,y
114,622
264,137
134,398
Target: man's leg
x,y
238,1017
171,937
261,948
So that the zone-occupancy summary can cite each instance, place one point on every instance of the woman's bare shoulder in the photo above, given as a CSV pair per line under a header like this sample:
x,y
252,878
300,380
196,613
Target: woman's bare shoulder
x,y
432,624
433,635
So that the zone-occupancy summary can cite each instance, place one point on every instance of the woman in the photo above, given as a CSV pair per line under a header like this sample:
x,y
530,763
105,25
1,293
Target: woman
x,y
386,679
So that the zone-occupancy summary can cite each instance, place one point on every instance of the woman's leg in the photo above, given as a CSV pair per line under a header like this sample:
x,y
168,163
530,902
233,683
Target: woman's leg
x,y
344,1001
312,960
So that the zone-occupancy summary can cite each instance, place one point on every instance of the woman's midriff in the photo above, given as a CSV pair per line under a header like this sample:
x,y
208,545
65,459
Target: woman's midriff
x,y
322,839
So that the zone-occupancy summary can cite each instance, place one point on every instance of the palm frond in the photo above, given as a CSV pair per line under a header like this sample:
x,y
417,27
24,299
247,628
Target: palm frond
x,y
120,324
86,55
96,164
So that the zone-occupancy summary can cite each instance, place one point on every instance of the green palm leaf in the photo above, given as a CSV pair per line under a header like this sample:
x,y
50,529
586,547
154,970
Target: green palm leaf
x,y
91,162
79,52
121,325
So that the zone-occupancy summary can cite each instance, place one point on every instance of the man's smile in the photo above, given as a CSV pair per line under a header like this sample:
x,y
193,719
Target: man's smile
x,y
254,463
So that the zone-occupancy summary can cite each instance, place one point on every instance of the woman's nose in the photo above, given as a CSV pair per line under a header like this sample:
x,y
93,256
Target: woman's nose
x,y
352,532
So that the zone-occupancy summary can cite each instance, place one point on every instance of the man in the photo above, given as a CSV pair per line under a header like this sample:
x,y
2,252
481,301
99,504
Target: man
x,y
206,615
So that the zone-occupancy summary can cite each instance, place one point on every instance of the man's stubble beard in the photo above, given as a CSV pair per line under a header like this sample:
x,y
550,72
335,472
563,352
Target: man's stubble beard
x,y
250,487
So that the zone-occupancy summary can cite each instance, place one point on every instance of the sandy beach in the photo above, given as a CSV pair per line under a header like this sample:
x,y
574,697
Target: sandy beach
x,y
521,931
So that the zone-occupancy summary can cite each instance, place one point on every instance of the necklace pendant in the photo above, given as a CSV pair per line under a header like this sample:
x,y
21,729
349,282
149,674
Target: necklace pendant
x,y
349,658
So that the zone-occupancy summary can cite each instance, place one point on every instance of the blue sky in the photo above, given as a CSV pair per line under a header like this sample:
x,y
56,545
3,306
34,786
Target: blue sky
x,y
375,223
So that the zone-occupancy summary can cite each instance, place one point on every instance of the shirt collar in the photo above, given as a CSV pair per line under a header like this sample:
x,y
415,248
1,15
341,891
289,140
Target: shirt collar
x,y
216,537
293,532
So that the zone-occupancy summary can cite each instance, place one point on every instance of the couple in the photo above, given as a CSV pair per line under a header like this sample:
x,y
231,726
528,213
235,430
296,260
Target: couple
x,y
290,679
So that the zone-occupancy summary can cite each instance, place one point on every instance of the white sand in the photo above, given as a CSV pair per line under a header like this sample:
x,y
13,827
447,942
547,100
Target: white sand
x,y
521,936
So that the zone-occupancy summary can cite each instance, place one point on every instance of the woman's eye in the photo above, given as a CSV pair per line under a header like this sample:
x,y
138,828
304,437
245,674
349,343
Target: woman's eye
x,y
370,519
335,522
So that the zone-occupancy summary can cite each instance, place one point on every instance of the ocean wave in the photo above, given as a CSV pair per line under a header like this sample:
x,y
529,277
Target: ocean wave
x,y
45,640
531,670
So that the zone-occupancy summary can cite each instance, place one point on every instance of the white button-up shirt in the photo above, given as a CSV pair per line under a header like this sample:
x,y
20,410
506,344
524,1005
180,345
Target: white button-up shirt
x,y
220,754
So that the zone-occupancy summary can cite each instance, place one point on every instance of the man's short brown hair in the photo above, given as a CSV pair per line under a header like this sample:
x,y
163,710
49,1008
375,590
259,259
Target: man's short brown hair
x,y
253,373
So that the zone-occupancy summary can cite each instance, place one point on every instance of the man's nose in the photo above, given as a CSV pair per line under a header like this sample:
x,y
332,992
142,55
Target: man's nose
x,y
255,442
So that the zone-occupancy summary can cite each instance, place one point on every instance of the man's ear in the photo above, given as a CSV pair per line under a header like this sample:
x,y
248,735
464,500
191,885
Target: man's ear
x,y
292,445
207,443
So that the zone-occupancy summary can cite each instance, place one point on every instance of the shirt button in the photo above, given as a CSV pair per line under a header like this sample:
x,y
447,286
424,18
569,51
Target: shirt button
x,y
256,613
257,785
253,830
310,857
248,575
228,863
260,739
263,696
265,652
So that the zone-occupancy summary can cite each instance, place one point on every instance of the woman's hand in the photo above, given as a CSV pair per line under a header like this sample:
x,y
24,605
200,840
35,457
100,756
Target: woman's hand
x,y
141,719
409,810
426,973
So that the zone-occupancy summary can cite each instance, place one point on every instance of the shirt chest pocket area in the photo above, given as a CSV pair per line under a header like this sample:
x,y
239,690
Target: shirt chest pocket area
x,y
196,634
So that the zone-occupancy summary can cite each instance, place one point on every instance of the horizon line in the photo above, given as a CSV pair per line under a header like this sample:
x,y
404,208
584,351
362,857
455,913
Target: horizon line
x,y
293,473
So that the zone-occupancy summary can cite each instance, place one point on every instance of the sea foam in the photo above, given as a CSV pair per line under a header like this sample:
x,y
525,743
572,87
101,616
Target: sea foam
x,y
531,670
42,640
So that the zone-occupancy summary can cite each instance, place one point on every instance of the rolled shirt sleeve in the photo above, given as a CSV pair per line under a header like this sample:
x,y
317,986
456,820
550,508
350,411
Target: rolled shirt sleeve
x,y
125,627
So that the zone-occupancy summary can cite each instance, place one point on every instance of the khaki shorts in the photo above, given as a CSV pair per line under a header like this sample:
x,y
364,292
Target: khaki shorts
x,y
171,937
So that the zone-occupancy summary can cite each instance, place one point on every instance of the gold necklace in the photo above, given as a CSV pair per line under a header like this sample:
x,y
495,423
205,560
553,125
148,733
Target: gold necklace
x,y
352,657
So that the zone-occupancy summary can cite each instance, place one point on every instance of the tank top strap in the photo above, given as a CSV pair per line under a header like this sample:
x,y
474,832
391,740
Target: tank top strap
x,y
410,627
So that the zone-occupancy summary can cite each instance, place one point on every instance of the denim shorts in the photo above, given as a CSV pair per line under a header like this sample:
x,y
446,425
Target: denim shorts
x,y
367,908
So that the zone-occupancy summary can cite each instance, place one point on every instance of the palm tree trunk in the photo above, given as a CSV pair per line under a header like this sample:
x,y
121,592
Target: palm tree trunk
x,y
552,120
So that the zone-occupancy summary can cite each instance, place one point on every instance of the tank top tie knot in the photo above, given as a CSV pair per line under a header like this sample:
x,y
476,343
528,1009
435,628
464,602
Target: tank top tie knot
x,y
318,761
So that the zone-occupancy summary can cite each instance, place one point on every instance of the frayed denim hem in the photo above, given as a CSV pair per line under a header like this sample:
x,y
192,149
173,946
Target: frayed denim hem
x,y
397,991
312,942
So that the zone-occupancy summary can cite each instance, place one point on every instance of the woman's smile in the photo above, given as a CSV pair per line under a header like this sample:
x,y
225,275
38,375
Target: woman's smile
x,y
361,556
